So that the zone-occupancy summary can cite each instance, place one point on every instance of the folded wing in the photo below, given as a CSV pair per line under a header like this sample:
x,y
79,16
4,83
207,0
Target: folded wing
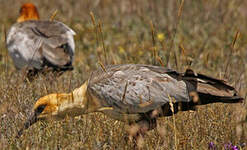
x,y
137,88
40,43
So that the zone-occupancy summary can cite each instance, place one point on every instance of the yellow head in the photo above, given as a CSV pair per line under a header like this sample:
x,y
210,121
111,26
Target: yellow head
x,y
58,106
47,105
28,12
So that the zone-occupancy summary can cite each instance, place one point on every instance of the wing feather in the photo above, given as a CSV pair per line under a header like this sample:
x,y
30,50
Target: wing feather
x,y
30,42
148,87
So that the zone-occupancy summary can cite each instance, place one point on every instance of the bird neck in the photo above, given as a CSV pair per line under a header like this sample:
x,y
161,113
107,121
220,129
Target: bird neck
x,y
77,102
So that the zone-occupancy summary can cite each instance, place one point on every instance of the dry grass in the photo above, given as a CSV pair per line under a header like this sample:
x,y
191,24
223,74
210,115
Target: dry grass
x,y
196,34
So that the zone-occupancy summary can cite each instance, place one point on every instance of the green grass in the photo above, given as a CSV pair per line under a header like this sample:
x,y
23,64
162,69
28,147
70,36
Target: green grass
x,y
201,38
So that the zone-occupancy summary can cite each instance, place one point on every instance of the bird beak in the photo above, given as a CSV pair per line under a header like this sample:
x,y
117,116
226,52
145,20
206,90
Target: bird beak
x,y
30,121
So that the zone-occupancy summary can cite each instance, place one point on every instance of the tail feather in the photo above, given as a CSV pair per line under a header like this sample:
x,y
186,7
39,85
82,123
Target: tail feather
x,y
207,98
211,90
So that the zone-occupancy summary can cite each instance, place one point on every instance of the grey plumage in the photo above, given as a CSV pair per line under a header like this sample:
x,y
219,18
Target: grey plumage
x,y
140,89
35,44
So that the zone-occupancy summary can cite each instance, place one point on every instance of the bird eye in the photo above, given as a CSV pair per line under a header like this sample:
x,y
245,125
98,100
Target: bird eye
x,y
40,109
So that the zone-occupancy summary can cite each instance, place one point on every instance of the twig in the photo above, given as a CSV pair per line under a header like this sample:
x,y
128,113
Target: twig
x,y
102,66
125,90
175,32
53,15
154,43
102,40
160,61
173,117
235,39
231,52
95,27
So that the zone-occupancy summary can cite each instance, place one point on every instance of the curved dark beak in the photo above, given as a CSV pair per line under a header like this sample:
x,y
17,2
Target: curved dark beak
x,y
30,121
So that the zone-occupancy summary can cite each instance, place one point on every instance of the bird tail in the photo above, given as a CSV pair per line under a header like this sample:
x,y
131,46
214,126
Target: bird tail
x,y
204,89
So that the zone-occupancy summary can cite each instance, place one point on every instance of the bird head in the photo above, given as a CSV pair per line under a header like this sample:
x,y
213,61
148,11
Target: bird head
x,y
44,107
28,12
57,106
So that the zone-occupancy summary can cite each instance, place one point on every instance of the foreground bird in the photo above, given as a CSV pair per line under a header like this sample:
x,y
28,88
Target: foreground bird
x,y
35,44
134,93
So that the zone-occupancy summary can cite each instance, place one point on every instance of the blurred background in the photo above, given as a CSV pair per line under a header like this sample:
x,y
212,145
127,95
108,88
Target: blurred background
x,y
208,36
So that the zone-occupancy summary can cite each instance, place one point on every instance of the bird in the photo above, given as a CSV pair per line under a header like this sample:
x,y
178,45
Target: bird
x,y
38,44
137,94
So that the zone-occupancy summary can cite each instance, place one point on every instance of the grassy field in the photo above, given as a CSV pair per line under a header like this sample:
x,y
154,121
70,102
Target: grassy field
x,y
209,36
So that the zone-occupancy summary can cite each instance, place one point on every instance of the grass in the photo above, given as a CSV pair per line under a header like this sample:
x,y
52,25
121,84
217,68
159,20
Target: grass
x,y
207,36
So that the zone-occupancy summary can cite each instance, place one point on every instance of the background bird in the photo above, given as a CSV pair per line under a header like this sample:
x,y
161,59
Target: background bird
x,y
36,44
136,94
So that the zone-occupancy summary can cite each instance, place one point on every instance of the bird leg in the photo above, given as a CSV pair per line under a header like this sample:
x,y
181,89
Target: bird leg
x,y
138,129
146,125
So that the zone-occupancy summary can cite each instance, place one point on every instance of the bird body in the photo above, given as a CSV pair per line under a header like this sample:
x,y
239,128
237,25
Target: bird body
x,y
132,92
34,43
135,89
38,43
